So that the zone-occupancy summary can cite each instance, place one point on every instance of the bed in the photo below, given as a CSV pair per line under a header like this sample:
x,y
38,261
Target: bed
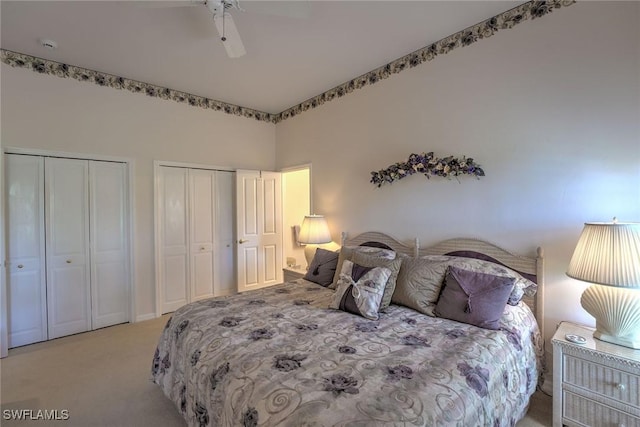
x,y
280,357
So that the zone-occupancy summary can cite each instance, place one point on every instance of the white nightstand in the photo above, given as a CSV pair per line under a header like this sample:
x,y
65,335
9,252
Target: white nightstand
x,y
596,383
290,274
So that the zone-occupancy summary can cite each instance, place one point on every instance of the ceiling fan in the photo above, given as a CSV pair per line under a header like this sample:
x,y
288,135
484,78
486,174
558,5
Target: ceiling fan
x,y
227,29
222,19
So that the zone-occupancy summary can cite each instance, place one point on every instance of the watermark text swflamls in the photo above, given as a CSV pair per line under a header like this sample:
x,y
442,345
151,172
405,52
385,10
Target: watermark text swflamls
x,y
36,414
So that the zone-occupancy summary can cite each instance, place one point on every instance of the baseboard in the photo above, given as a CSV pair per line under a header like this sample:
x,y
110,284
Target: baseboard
x,y
143,317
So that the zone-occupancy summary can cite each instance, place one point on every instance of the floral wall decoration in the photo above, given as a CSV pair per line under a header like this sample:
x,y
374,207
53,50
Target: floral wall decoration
x,y
428,165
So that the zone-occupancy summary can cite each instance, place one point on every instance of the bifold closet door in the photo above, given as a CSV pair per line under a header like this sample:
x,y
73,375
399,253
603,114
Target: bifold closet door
x,y
174,237
67,246
26,284
225,282
202,223
109,245
196,234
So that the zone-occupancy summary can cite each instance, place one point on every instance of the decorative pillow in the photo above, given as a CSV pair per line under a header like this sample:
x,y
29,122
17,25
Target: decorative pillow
x,y
366,260
323,267
475,298
346,252
360,289
522,285
419,283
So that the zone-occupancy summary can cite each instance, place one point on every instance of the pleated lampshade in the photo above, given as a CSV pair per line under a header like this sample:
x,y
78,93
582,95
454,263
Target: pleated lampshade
x,y
314,230
608,255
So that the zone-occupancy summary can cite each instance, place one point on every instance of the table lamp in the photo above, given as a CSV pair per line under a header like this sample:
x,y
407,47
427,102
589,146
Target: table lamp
x,y
608,255
314,231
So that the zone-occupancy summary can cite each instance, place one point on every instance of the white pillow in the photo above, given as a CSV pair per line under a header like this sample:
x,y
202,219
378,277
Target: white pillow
x,y
360,289
346,252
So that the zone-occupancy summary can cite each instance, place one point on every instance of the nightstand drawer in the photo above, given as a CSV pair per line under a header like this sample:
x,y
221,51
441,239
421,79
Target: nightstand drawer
x,y
587,412
609,382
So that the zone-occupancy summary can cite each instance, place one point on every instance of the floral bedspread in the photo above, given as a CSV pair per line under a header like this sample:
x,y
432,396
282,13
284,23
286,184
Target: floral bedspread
x,y
279,357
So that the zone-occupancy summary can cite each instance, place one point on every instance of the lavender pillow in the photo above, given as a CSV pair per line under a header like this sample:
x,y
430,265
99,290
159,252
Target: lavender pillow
x,y
475,298
323,267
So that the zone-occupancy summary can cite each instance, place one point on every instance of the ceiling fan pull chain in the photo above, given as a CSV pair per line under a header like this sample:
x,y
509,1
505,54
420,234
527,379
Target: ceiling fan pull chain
x,y
223,38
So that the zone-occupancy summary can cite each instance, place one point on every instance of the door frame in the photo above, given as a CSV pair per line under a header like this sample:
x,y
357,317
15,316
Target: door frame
x,y
287,220
157,164
131,226
4,307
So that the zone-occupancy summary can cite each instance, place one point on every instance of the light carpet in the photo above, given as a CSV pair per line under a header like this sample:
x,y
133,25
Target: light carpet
x,y
102,378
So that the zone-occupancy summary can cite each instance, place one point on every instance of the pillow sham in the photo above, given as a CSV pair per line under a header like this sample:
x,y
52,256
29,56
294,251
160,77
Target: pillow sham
x,y
521,287
346,252
475,298
360,289
419,283
394,265
323,267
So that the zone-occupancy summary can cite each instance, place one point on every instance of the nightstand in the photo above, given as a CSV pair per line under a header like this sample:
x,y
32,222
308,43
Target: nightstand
x,y
290,274
596,383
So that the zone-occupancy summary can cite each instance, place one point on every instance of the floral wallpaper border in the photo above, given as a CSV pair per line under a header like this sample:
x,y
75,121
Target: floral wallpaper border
x,y
466,37
59,69
470,35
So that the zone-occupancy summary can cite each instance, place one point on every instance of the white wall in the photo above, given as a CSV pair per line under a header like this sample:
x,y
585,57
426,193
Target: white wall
x,y
550,109
50,113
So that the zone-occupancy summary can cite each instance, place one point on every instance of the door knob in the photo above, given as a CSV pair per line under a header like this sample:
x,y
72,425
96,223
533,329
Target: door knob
x,y
241,241
68,261
20,265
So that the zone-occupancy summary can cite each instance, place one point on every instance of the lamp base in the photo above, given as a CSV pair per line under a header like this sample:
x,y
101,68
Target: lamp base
x,y
309,253
631,342
617,314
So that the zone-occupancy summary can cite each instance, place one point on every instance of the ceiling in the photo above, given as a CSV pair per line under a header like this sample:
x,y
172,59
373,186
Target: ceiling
x,y
295,49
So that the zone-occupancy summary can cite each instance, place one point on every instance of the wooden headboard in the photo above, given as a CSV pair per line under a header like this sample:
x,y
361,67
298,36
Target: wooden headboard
x,y
530,267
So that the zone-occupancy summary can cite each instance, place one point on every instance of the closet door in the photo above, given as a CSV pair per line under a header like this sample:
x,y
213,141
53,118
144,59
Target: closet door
x,y
109,245
67,235
26,285
225,282
202,224
174,237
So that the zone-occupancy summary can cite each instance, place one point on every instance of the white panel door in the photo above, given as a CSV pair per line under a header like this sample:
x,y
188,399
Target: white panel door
x,y
247,200
225,255
109,244
271,238
259,229
67,245
26,285
174,237
202,224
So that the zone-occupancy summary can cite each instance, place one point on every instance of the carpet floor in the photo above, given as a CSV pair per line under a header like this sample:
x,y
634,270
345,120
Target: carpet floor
x,y
102,378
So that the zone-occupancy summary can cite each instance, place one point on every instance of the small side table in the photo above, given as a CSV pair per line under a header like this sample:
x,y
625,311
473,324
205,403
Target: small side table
x,y
290,274
595,383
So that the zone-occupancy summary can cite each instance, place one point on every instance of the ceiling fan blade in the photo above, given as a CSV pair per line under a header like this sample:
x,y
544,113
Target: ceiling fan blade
x,y
227,30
